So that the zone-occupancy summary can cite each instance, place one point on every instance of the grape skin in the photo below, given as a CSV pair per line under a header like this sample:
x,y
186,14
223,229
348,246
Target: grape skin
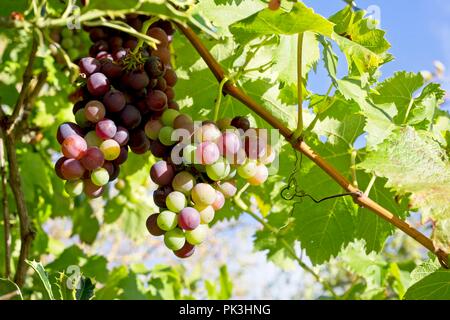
x,y
188,219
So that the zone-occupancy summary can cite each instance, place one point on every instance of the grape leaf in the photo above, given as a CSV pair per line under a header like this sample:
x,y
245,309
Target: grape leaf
x,y
268,22
9,290
435,286
39,269
425,269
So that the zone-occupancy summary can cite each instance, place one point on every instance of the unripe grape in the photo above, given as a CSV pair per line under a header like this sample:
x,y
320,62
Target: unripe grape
x,y
74,187
183,182
152,128
248,169
174,239
203,194
94,111
100,177
165,136
167,220
92,139
175,201
227,188
168,117
218,170
198,235
110,149
206,213
260,176
189,154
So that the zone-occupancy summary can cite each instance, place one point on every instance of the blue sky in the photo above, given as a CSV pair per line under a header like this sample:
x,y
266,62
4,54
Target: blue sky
x,y
418,30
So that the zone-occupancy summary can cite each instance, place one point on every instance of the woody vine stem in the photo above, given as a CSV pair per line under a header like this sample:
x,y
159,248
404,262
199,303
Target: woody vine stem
x,y
297,143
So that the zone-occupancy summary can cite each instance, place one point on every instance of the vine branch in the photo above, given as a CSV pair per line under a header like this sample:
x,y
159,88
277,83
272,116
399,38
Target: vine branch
x,y
6,219
302,147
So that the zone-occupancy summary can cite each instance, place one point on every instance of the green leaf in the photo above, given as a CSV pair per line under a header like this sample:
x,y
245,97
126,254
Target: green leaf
x,y
428,168
9,290
435,286
425,269
39,269
85,224
268,22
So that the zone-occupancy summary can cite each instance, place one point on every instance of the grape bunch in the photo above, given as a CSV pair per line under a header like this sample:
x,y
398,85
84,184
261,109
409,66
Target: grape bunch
x,y
127,103
73,41
198,171
121,90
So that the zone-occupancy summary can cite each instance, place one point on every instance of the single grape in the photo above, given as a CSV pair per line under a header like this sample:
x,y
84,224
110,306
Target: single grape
x,y
92,139
160,35
219,202
269,156
67,43
154,67
165,136
162,173
207,132
94,111
71,169
139,142
248,169
218,170
173,105
152,128
112,169
158,149
137,80
92,159
162,53
123,156
170,93
207,153
130,44
120,53
160,84
170,77
110,149
74,147
160,195
67,129
100,177
74,188
188,219
229,144
77,106
58,165
100,45
174,239
183,182
186,251
98,84
115,42
156,100
106,129
175,201
206,213
152,225
168,117
91,190
81,120
96,34
260,176
240,123
189,154
114,101
224,124
184,121
198,235
122,136
130,117
203,194
111,70
167,220
227,188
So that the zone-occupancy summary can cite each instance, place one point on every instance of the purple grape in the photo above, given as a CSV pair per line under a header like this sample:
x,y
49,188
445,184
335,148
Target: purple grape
x,y
89,65
98,84
136,80
93,159
160,195
186,251
123,156
188,218
106,129
156,100
111,70
154,67
130,117
152,226
122,136
158,149
114,101
67,129
162,173
71,169
58,165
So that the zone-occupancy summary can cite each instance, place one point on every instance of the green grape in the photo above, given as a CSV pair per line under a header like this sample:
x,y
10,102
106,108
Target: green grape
x,y
80,118
100,177
198,235
74,188
168,117
218,170
92,139
174,239
183,182
73,53
66,33
110,149
189,154
165,136
206,213
248,169
203,194
76,41
175,201
67,43
167,220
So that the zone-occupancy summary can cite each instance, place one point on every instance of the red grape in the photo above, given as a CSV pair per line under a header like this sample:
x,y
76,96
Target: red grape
x,y
188,219
98,84
93,159
106,129
71,169
74,147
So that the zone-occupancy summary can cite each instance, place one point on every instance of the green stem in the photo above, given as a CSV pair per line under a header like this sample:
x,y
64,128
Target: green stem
x,y
408,110
370,185
144,30
353,155
219,98
316,118
298,132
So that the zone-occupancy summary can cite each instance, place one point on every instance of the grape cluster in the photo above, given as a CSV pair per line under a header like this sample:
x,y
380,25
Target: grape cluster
x,y
127,103
198,171
72,41
122,89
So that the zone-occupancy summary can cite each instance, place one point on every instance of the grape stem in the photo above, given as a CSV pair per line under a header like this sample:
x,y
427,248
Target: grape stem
x,y
219,98
144,30
304,148
299,131
6,221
